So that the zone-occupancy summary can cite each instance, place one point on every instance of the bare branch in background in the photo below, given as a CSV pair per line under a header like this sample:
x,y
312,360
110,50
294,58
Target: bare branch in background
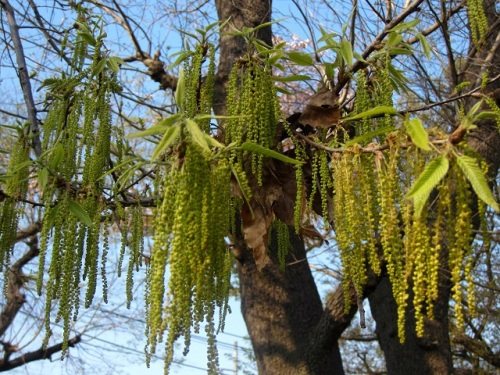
x,y
24,77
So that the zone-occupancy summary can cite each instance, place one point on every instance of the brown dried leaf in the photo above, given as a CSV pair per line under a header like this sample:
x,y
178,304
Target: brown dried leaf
x,y
255,230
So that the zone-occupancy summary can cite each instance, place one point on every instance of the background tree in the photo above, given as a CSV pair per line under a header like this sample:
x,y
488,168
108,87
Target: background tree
x,y
290,328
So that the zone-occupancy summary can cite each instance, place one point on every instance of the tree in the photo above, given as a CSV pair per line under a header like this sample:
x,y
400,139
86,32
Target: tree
x,y
397,177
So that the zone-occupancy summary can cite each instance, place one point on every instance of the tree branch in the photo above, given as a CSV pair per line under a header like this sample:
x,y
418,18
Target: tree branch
x,y
37,355
24,77
358,65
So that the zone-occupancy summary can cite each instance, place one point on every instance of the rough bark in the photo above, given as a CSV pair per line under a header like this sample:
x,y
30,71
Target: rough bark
x,y
281,309
428,355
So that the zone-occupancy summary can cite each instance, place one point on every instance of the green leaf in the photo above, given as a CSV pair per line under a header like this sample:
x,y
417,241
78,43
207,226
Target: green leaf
x,y
369,135
378,111
89,38
433,173
57,156
99,67
406,25
80,213
425,45
212,141
258,149
180,91
300,58
476,177
417,133
43,177
196,133
486,115
114,63
395,51
169,136
159,128
346,51
394,39
295,77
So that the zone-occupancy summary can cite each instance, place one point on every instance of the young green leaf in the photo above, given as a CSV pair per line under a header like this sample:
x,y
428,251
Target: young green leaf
x,y
80,213
99,67
433,173
159,128
169,136
114,63
43,177
369,135
258,149
346,51
425,45
300,58
295,77
476,177
378,111
394,39
180,91
417,133
406,25
196,133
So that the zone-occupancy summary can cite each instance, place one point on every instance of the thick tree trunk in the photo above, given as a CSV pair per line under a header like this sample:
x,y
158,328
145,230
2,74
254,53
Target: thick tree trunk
x,y
428,355
281,309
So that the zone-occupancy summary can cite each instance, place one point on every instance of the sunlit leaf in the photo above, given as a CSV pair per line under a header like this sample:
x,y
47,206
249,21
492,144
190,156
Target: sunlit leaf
x,y
169,136
425,45
300,58
374,112
99,67
180,91
159,128
114,63
346,51
417,133
406,25
196,133
433,173
394,39
43,177
476,177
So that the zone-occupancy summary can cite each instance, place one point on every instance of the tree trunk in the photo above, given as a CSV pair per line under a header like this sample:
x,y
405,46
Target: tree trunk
x,y
281,308
428,355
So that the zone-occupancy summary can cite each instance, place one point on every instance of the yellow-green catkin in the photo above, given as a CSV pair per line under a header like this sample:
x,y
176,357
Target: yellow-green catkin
x,y
353,232
193,215
389,200
461,246
478,22
77,133
283,241
253,104
362,102
15,191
